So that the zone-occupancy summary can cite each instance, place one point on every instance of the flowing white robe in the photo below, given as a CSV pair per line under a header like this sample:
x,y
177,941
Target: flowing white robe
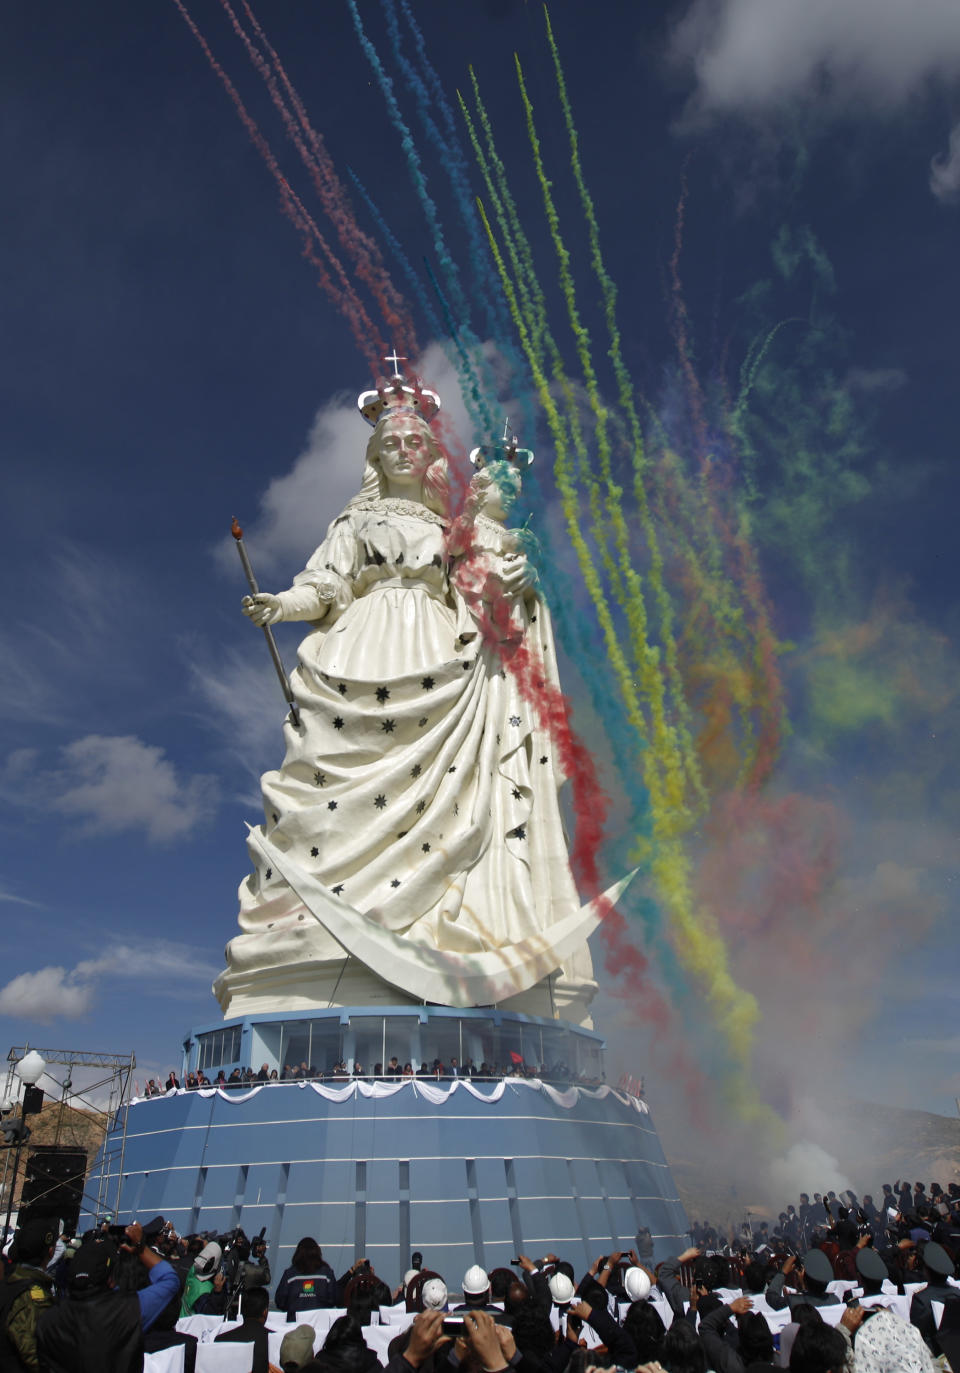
x,y
420,788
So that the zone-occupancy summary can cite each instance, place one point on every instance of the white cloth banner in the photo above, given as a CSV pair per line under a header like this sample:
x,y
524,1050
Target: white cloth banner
x,y
165,1360
437,1095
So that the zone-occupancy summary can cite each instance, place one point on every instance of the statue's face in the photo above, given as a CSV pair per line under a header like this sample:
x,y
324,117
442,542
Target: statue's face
x,y
404,451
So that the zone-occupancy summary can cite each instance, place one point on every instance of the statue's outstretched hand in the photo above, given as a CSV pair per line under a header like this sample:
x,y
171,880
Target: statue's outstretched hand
x,y
518,576
262,609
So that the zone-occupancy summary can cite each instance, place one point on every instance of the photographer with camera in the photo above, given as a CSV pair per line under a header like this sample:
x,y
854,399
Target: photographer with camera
x,y
97,1328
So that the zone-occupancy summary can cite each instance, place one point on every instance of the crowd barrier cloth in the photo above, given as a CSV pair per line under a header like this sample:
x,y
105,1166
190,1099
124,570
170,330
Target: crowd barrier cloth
x,y
436,1095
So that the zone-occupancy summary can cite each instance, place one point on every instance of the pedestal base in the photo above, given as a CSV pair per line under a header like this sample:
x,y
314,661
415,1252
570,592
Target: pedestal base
x,y
467,1173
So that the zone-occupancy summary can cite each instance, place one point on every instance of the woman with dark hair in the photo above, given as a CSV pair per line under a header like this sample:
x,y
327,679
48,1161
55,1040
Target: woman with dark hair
x,y
818,1348
681,1351
645,1329
344,1349
308,1283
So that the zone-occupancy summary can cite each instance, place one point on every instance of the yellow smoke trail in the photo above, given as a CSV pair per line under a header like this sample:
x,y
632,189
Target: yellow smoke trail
x,y
665,753
699,946
625,395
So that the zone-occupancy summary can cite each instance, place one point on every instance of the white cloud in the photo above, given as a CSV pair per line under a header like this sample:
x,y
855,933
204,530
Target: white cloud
x,y
119,783
945,170
59,993
48,994
751,55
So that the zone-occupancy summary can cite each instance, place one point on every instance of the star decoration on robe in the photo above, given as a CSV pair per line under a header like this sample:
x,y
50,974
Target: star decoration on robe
x,y
319,779
422,721
533,619
425,848
428,683
342,688
402,834
543,758
453,769
388,726
416,770
275,817
331,805
383,694
456,808
519,833
337,890
517,794
268,874
514,719
421,807
314,852
395,882
467,667
380,801
338,722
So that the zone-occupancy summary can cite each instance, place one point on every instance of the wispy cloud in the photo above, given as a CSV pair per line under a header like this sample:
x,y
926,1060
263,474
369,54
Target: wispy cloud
x,y
56,992
945,170
14,899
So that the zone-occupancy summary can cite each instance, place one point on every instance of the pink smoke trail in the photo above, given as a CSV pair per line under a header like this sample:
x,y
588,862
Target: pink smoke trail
x,y
360,247
344,297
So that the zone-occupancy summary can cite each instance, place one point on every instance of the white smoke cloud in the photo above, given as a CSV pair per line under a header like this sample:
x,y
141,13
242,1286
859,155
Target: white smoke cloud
x,y
806,1167
945,170
751,55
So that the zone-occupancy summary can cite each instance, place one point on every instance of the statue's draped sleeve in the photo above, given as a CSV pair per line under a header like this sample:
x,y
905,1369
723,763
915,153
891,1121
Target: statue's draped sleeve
x,y
333,567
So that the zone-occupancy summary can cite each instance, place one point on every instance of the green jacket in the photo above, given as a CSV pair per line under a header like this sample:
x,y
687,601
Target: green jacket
x,y
20,1318
193,1290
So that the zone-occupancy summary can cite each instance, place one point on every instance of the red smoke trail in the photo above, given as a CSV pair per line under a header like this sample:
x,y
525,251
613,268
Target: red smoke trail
x,y
360,247
345,297
590,803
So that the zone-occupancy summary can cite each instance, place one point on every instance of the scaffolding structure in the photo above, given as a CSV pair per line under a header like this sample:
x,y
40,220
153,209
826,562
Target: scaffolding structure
x,y
118,1069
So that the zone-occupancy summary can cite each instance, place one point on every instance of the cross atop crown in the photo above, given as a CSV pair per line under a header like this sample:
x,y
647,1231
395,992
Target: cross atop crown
x,y
397,394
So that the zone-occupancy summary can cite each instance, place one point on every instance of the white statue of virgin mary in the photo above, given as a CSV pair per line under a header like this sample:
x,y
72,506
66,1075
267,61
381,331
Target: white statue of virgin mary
x,y
412,848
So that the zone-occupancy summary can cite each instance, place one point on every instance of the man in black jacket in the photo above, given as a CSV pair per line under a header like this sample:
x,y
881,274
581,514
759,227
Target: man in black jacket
x,y
256,1304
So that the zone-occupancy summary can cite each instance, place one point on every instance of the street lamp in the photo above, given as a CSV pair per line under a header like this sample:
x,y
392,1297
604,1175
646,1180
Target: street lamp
x,y
29,1070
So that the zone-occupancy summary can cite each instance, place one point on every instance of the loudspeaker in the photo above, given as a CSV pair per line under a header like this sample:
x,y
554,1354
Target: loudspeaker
x,y
53,1186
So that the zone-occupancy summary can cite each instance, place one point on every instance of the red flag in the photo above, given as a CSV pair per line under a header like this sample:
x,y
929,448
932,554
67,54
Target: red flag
x,y
515,1058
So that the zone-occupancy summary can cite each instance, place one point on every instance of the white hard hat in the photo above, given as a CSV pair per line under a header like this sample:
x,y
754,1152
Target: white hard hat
x,y
208,1259
636,1284
561,1289
433,1294
475,1281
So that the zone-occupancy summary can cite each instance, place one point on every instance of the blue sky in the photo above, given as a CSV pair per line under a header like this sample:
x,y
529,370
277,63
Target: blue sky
x,y
170,363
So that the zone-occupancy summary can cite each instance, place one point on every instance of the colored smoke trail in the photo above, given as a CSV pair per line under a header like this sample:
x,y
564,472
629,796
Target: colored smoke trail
x,y
655,572
701,949
366,336
316,159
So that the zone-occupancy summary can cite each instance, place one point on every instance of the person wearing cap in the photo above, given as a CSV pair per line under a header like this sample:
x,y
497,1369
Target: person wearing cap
x,y
27,1291
810,1277
97,1327
296,1347
937,1267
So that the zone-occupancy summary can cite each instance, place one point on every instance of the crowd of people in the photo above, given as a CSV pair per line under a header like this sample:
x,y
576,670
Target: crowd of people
x,y
839,1284
394,1071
